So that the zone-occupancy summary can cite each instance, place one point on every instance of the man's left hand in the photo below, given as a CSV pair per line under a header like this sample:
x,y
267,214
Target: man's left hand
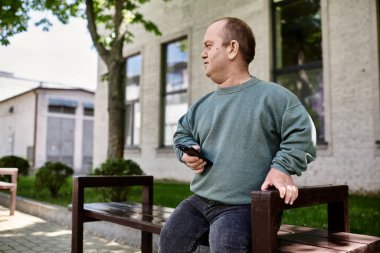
x,y
283,182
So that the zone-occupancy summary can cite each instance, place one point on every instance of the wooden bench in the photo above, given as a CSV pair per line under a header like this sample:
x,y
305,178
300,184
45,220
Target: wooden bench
x,y
265,207
12,186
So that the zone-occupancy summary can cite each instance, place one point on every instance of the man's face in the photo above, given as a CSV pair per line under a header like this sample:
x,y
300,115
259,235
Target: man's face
x,y
214,54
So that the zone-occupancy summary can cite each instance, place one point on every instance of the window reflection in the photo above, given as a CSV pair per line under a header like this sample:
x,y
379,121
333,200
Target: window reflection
x,y
176,66
298,55
308,86
133,115
176,84
298,32
133,77
175,107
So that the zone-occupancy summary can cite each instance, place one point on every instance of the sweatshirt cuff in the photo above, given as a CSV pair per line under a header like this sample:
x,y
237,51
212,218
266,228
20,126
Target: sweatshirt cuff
x,y
178,154
280,168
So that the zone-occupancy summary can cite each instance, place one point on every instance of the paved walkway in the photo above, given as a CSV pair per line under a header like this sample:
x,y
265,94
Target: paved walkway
x,y
23,233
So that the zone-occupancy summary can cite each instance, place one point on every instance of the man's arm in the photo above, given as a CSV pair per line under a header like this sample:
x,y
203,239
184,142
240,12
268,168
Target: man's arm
x,y
183,135
297,149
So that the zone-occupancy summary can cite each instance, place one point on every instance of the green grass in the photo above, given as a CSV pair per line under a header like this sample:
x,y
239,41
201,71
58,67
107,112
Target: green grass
x,y
364,215
25,188
364,210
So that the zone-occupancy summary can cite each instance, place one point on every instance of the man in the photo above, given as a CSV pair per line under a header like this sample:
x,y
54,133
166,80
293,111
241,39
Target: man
x,y
255,133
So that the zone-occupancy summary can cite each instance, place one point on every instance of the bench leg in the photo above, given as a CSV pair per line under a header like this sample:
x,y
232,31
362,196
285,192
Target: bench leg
x,y
146,242
264,228
77,237
12,207
77,217
338,217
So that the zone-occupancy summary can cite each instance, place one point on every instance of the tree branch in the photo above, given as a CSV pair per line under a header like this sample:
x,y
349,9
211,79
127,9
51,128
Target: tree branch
x,y
118,18
103,52
119,35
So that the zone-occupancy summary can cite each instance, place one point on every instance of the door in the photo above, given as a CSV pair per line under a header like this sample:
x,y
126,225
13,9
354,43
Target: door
x,y
60,140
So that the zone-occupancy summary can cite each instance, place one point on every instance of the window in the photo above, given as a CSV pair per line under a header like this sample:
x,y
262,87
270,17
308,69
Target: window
x,y
88,109
132,117
61,109
298,55
175,84
87,145
58,105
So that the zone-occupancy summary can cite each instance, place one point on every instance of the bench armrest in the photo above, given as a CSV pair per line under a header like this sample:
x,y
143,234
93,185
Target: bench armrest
x,y
82,182
10,171
267,204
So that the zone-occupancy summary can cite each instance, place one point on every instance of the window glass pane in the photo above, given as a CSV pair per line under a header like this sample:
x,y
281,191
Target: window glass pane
x,y
137,124
133,77
175,107
308,86
54,108
132,117
176,65
88,111
128,124
61,109
133,124
298,37
68,110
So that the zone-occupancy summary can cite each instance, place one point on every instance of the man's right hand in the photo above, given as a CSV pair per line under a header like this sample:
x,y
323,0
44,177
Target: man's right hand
x,y
193,162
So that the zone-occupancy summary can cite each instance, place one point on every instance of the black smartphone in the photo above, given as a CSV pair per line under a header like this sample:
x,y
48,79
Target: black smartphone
x,y
193,152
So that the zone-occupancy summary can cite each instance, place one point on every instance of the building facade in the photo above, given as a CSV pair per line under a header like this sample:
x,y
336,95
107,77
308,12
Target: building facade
x,y
49,124
326,52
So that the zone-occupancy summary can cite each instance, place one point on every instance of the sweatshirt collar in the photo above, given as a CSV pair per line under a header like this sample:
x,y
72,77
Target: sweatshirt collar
x,y
237,88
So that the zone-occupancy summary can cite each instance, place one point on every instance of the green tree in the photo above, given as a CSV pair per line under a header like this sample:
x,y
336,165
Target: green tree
x,y
117,167
53,175
113,18
15,162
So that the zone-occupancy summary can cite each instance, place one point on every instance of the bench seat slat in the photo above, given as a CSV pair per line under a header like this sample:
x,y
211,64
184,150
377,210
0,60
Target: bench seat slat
x,y
350,237
324,242
127,214
338,240
129,210
6,185
164,212
286,247
125,221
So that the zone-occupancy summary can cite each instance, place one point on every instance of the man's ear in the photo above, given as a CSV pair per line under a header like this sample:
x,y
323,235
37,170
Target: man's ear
x,y
233,49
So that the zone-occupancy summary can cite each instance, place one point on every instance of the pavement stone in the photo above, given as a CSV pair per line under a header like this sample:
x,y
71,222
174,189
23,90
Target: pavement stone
x,y
24,233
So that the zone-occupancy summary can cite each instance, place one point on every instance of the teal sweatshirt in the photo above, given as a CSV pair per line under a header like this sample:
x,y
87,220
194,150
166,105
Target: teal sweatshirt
x,y
245,131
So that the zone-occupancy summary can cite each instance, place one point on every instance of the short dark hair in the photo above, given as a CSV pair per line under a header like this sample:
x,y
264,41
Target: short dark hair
x,y
237,29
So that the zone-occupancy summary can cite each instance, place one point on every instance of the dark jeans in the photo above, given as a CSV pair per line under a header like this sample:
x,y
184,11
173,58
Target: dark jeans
x,y
228,227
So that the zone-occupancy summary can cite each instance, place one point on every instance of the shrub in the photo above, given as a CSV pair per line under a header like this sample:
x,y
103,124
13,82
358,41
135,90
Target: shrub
x,y
15,162
52,176
117,167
